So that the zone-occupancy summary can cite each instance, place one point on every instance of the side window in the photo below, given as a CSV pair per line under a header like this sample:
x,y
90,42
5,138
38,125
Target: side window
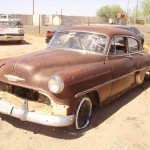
x,y
133,45
118,46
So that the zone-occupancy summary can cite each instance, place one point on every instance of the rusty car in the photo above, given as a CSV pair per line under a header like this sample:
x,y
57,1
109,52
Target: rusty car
x,y
81,67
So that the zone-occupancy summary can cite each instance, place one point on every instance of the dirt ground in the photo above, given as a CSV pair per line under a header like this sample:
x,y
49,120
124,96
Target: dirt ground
x,y
121,125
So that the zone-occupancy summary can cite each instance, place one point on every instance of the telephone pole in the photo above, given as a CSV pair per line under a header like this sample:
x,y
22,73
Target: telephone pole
x,y
128,12
33,7
136,11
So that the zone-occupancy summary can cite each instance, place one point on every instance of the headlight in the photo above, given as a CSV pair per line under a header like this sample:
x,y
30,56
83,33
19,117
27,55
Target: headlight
x,y
56,84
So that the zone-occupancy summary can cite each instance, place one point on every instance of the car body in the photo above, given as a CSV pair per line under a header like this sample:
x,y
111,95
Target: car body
x,y
49,34
11,30
134,30
80,68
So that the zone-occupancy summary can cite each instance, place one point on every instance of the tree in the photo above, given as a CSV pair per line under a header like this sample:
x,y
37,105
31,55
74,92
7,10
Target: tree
x,y
146,7
109,11
114,10
104,12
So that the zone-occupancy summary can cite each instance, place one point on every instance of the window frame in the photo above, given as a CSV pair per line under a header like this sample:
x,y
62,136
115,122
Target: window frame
x,y
139,45
125,43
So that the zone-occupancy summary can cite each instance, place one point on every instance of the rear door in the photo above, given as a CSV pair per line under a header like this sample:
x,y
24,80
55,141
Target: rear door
x,y
138,56
122,64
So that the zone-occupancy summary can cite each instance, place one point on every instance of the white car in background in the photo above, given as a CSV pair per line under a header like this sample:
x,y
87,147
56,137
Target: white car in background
x,y
6,17
11,30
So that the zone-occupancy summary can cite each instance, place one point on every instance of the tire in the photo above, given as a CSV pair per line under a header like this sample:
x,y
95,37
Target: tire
x,y
83,113
147,75
142,43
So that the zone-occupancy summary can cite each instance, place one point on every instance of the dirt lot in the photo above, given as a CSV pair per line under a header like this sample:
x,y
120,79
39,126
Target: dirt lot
x,y
121,125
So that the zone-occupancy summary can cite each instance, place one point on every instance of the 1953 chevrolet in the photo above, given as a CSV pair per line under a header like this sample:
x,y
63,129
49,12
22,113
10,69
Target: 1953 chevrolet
x,y
80,68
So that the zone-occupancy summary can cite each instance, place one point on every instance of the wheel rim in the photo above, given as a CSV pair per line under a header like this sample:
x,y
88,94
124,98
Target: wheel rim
x,y
83,113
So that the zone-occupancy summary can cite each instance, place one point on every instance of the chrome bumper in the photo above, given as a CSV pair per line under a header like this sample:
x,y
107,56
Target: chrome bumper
x,y
11,38
36,117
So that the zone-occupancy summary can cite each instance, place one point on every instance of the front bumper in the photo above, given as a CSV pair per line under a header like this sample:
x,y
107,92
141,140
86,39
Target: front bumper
x,y
11,38
32,116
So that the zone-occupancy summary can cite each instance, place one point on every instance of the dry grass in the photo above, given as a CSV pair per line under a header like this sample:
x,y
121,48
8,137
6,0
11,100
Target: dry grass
x,y
147,46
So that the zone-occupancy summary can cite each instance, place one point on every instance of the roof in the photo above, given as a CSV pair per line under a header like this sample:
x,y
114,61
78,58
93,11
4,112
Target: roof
x,y
108,31
122,27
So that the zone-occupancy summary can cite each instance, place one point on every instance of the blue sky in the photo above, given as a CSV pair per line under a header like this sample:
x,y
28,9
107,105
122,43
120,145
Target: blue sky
x,y
69,7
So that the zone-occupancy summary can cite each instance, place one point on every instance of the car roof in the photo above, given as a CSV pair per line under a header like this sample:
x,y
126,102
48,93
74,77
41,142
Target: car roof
x,y
122,26
107,31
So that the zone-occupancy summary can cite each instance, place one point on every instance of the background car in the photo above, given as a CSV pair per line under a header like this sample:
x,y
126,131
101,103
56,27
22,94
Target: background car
x,y
6,17
49,34
11,30
134,30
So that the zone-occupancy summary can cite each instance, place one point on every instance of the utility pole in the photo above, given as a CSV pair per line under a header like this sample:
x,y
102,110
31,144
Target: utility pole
x,y
33,7
128,16
61,16
136,11
32,11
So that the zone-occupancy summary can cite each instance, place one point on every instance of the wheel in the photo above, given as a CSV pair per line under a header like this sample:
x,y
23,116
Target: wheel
x,y
147,75
83,113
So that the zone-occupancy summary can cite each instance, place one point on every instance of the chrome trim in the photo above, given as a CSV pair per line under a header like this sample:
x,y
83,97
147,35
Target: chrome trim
x,y
108,82
13,78
99,86
35,116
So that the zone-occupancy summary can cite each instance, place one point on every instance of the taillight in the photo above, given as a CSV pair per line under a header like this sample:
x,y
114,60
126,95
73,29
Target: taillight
x,y
49,34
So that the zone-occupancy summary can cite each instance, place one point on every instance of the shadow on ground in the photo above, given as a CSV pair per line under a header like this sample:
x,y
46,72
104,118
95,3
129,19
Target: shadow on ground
x,y
12,43
98,117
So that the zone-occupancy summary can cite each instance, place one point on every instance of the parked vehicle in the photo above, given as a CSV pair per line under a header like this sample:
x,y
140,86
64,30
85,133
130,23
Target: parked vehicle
x,y
49,34
80,68
134,30
11,30
6,17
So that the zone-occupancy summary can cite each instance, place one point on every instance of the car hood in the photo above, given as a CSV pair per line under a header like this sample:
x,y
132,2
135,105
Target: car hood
x,y
38,66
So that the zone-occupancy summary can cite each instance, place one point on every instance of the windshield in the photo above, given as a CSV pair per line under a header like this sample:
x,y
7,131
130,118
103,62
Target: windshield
x,y
80,41
16,24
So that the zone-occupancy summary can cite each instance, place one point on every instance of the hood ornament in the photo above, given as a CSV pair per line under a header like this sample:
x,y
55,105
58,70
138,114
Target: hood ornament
x,y
14,78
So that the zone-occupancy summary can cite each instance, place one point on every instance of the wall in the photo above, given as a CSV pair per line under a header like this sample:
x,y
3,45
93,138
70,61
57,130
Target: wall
x,y
77,20
39,19
56,20
26,19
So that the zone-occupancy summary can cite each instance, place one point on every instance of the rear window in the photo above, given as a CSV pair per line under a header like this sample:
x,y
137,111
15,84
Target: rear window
x,y
133,45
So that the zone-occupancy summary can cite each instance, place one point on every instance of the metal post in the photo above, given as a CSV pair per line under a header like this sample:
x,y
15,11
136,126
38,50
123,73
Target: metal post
x,y
61,16
128,12
32,11
33,7
136,11
39,24
88,21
